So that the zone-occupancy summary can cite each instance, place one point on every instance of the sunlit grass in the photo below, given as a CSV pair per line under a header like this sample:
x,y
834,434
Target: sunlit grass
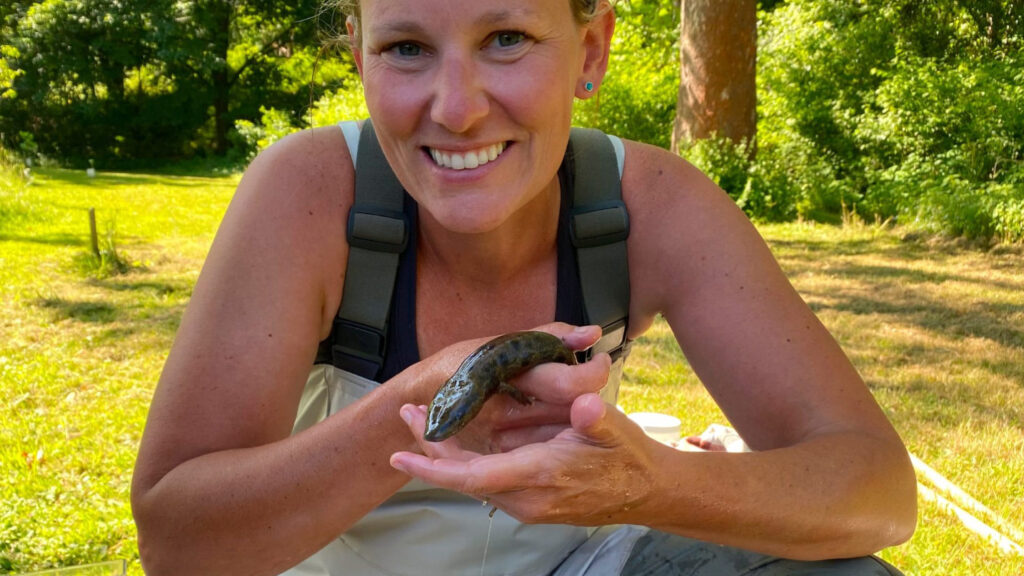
x,y
936,329
80,355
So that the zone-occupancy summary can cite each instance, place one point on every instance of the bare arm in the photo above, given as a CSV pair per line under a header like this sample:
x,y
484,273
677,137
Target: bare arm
x,y
831,477
219,481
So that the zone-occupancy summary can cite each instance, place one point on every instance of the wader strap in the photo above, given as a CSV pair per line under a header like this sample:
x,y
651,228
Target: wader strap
x,y
599,225
377,235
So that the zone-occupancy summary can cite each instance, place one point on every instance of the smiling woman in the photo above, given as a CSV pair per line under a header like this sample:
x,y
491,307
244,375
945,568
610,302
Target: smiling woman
x,y
359,264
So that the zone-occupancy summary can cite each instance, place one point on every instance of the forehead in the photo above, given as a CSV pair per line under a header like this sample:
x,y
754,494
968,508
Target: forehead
x,y
418,14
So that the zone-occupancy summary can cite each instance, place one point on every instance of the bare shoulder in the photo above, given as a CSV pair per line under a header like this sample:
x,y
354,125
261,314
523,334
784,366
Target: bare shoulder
x,y
292,203
311,166
683,230
251,328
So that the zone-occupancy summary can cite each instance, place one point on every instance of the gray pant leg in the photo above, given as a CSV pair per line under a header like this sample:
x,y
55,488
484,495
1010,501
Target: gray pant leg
x,y
663,554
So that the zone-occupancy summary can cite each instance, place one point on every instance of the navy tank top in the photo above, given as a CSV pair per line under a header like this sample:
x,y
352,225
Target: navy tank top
x,y
402,347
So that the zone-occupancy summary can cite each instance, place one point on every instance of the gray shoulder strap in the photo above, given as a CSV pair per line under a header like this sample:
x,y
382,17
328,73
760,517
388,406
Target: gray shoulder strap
x,y
377,235
599,227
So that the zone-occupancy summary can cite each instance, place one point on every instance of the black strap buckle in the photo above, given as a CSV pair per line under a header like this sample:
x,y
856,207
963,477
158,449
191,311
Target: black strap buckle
x,y
358,348
613,342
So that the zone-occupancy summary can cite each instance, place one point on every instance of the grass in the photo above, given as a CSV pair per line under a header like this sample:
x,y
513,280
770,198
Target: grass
x,y
937,330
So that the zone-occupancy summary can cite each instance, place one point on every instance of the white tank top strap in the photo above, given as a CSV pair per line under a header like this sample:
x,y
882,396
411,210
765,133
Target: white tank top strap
x,y
620,152
350,128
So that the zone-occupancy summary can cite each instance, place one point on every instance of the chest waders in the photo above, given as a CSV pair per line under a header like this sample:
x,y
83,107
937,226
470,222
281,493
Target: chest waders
x,y
378,233
421,529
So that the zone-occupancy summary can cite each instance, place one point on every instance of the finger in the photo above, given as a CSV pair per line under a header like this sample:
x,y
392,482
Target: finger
x,y
561,384
492,474
591,419
416,418
575,337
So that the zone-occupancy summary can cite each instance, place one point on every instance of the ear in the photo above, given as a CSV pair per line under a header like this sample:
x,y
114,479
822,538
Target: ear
x,y
352,27
597,41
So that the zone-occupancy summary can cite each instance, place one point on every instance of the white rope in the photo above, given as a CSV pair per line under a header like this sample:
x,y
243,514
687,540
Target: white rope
x,y
952,499
970,521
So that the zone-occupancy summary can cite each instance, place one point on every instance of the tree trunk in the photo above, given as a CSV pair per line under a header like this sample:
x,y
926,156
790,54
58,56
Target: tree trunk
x,y
717,88
221,75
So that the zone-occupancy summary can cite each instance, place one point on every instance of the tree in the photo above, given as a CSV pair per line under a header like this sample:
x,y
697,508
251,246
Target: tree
x,y
122,80
233,51
717,88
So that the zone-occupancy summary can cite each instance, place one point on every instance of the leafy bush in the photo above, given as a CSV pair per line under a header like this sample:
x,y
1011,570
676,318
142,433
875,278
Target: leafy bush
x,y
637,99
904,109
726,163
14,183
249,138
346,103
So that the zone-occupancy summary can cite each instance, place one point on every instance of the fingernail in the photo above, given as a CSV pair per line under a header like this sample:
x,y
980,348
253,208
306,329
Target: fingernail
x,y
397,465
406,413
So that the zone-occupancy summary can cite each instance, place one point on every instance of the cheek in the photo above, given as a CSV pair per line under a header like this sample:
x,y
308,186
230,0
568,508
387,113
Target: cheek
x,y
543,94
392,99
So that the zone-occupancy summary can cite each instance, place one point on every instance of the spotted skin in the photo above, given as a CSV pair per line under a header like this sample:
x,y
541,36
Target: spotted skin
x,y
486,372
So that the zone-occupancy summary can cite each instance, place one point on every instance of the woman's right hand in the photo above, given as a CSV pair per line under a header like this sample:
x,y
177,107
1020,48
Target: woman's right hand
x,y
504,424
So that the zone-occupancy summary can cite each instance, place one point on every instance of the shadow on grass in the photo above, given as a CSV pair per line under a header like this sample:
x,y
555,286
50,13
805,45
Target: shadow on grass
x,y
46,239
154,310
80,310
161,289
182,179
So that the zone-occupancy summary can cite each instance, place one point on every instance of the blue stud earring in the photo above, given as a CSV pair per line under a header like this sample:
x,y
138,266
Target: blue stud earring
x,y
589,86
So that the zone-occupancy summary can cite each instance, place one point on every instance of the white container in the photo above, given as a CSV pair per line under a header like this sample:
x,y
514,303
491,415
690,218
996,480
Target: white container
x,y
661,427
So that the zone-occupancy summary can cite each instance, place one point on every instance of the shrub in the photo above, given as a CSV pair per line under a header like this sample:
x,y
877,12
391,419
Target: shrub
x,y
902,108
726,163
14,184
248,138
637,99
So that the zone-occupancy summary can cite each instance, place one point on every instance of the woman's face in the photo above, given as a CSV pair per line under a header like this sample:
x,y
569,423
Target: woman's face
x,y
471,100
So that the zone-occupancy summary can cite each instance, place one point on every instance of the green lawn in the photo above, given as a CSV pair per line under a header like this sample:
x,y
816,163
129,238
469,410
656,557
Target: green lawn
x,y
936,329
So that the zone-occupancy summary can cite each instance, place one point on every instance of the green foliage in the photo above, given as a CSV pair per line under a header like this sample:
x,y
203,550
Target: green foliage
x,y
15,207
123,80
637,99
251,138
347,103
901,108
108,262
7,74
726,163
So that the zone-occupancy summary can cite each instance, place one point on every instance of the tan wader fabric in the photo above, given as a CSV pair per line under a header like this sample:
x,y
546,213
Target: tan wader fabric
x,y
424,530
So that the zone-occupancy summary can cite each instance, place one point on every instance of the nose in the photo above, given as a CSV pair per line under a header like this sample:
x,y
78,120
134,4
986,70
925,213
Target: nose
x,y
460,99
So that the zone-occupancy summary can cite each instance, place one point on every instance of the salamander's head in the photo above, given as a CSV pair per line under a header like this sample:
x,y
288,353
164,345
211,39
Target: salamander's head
x,y
449,413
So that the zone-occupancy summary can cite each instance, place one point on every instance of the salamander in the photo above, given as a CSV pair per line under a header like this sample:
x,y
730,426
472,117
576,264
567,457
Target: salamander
x,y
486,372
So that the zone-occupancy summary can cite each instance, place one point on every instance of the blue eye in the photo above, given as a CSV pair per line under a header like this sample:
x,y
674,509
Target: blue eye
x,y
509,39
406,49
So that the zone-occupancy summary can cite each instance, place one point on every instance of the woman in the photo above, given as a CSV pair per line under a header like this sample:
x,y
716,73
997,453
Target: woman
x,y
223,486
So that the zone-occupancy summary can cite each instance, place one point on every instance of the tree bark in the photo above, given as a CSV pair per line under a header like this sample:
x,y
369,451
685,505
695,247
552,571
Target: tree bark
x,y
717,88
221,74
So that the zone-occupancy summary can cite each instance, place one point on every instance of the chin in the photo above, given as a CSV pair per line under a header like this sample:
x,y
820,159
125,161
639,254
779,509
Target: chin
x,y
463,222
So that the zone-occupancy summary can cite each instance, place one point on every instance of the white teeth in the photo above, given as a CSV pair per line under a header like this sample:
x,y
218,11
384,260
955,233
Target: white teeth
x,y
467,160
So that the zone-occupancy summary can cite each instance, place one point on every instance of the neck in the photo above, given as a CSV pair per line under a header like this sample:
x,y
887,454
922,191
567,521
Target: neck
x,y
527,238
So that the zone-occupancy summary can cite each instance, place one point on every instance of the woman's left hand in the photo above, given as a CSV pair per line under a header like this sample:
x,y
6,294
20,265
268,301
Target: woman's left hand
x,y
592,473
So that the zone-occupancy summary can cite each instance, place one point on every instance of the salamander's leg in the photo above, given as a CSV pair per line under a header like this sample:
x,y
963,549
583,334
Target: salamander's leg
x,y
515,393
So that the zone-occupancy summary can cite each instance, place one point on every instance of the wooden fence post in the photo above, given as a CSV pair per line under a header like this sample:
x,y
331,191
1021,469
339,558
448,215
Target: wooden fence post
x,y
92,233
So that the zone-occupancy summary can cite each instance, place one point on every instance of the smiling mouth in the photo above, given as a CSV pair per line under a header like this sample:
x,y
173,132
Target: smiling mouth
x,y
466,160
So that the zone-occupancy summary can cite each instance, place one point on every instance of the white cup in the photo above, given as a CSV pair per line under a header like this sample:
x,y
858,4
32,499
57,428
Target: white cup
x,y
661,427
